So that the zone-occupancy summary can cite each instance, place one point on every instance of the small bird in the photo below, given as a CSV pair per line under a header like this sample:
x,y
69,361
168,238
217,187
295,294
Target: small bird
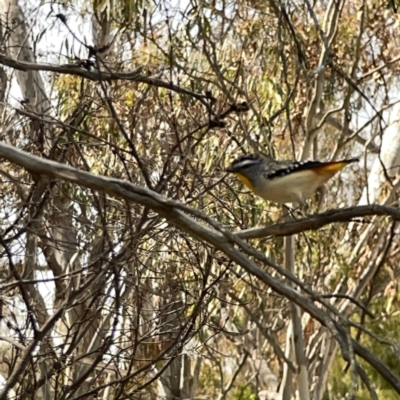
x,y
284,181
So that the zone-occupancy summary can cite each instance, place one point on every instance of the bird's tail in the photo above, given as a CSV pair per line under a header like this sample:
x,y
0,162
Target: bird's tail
x,y
332,167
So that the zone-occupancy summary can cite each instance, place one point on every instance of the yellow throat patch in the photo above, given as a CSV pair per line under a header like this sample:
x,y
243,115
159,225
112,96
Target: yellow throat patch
x,y
245,180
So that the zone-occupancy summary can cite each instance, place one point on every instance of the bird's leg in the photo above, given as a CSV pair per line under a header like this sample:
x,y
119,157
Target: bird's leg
x,y
300,208
321,196
294,212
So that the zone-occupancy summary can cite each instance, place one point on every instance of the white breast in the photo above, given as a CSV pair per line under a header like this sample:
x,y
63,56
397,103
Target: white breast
x,y
295,187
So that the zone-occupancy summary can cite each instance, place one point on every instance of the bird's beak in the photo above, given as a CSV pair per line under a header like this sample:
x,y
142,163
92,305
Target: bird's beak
x,y
230,169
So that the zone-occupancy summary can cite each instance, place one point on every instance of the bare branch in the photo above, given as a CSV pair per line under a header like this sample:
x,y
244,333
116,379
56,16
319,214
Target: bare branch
x,y
317,221
76,70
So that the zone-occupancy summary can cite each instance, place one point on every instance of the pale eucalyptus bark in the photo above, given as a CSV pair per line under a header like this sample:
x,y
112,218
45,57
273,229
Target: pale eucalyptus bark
x,y
31,83
327,32
34,93
294,339
385,167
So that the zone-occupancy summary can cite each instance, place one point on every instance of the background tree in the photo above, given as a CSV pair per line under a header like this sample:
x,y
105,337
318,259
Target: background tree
x,y
131,266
